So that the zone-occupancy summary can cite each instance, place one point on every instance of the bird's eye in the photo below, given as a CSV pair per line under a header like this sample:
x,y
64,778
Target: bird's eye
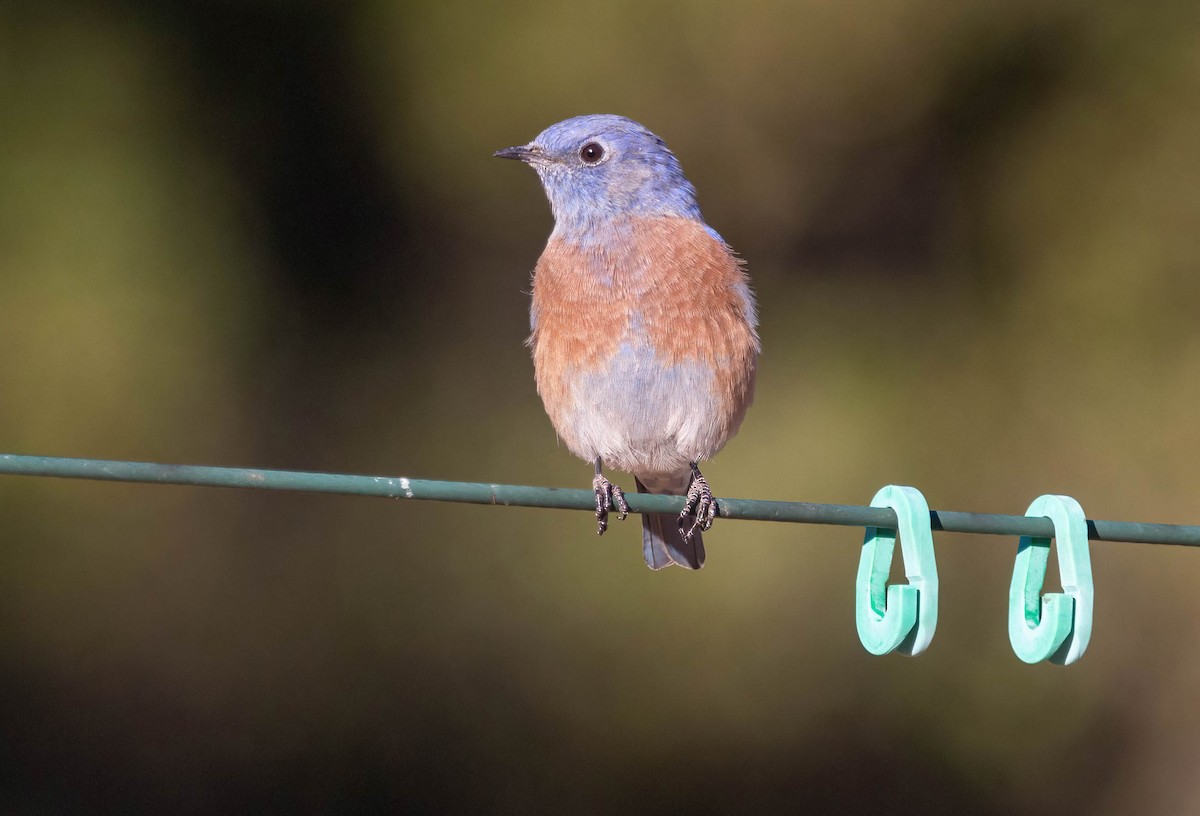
x,y
591,153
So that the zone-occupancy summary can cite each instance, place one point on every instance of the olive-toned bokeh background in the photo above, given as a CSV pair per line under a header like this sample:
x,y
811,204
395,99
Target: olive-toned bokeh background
x,y
271,234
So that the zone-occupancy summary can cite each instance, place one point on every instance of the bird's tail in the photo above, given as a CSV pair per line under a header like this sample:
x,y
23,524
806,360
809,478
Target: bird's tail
x,y
662,543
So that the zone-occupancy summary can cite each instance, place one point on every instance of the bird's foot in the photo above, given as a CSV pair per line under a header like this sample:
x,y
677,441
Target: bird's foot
x,y
608,496
700,508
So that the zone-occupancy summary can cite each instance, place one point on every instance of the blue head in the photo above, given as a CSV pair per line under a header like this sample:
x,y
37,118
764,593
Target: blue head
x,y
595,168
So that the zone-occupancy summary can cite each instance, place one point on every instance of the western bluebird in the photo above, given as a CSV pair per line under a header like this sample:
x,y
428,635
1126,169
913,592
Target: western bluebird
x,y
644,341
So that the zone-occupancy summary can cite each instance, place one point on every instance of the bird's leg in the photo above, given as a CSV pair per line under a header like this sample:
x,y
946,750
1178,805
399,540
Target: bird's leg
x,y
608,495
700,508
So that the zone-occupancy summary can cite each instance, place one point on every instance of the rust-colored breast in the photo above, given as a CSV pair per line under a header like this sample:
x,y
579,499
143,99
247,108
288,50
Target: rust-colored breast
x,y
664,282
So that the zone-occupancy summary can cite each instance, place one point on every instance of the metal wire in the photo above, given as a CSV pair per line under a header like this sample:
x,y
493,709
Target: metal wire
x,y
568,499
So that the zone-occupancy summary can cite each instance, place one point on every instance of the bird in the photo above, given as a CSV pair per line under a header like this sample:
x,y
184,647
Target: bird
x,y
644,328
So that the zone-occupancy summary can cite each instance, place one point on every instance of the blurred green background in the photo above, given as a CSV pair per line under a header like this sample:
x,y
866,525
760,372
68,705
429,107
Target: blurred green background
x,y
272,234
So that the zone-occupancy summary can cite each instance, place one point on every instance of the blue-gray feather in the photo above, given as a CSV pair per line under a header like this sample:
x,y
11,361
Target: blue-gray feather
x,y
638,176
662,543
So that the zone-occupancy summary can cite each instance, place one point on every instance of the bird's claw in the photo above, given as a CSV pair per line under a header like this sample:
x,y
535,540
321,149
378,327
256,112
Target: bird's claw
x,y
608,496
700,508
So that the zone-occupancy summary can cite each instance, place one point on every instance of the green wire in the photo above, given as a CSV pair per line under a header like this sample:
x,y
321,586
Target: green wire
x,y
568,499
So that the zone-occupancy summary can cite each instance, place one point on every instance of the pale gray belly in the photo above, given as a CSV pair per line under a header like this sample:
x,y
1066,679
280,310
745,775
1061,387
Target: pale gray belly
x,y
640,415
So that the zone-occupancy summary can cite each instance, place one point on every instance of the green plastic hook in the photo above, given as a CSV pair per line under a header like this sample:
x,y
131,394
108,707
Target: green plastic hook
x,y
1058,625
903,617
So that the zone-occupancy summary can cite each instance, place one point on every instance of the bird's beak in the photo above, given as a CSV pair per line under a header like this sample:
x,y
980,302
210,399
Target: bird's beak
x,y
525,153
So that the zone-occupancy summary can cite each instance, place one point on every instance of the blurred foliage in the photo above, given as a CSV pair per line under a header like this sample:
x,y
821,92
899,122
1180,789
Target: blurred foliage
x,y
271,234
